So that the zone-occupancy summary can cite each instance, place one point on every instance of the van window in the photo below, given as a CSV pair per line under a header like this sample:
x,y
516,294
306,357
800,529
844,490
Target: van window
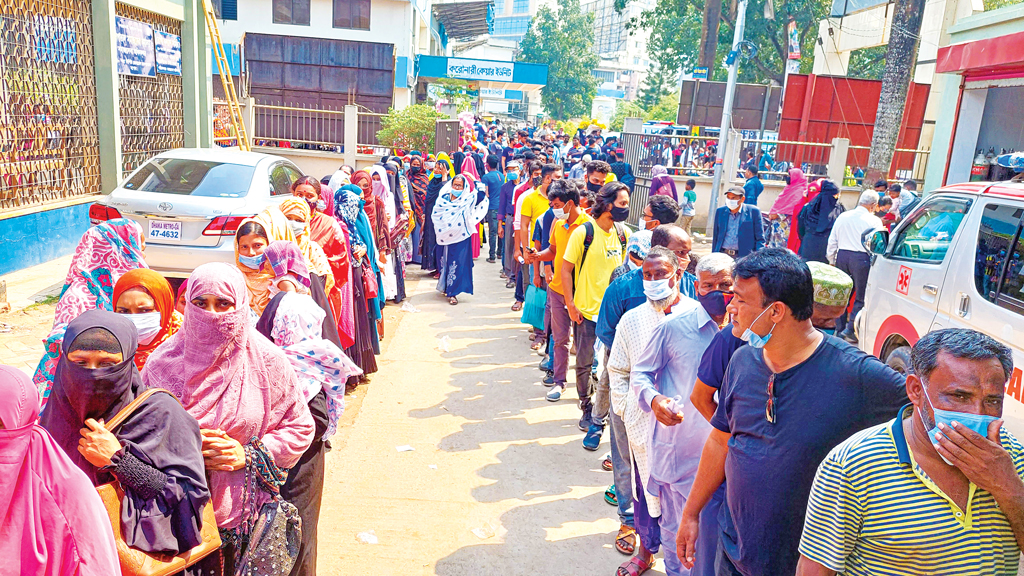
x,y
928,236
1011,293
998,228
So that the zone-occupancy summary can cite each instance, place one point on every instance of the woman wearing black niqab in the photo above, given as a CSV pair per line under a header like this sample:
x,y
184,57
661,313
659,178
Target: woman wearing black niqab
x,y
429,241
159,462
815,222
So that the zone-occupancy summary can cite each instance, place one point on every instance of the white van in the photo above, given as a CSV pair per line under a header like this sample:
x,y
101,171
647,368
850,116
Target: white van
x,y
954,262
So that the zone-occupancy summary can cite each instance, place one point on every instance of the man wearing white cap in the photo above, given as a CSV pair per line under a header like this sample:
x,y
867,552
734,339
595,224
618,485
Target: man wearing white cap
x,y
847,250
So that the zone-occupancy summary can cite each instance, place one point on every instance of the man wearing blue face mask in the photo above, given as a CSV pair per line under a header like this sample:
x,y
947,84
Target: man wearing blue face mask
x,y
951,475
786,400
661,377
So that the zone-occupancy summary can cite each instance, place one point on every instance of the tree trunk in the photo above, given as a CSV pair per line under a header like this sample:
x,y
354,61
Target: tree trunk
x,y
709,35
900,59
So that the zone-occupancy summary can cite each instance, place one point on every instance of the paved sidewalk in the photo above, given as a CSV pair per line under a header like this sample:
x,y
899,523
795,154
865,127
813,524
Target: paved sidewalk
x,y
31,294
497,481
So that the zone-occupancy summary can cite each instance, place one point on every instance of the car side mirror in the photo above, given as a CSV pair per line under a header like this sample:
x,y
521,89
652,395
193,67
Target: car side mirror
x,y
878,242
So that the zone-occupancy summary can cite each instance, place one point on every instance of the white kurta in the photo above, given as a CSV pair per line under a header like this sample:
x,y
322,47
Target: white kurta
x,y
631,336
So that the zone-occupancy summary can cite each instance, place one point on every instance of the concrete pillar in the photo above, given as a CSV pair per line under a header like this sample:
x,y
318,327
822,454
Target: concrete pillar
x,y
351,133
837,160
731,160
248,105
204,69
193,41
108,100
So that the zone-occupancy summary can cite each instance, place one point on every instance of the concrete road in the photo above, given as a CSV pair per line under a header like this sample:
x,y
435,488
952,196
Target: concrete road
x,y
497,481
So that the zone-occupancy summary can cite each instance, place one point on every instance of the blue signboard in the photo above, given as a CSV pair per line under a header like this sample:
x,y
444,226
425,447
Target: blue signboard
x,y
700,73
135,52
168,53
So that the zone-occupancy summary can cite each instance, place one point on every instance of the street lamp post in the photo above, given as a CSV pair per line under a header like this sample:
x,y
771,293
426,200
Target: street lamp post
x,y
730,96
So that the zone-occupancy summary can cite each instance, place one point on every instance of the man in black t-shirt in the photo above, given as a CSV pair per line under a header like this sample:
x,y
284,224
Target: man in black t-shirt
x,y
786,400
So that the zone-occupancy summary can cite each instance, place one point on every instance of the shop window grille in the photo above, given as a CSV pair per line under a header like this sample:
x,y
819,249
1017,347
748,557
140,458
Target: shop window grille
x,y
152,114
49,143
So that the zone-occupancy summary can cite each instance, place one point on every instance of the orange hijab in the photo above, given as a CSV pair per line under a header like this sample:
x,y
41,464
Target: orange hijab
x,y
156,286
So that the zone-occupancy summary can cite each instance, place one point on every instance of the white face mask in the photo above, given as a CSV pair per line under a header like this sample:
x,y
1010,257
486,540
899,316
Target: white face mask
x,y
732,204
147,325
560,213
658,289
298,228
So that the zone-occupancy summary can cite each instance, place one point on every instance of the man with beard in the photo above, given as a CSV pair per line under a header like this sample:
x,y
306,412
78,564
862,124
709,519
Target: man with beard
x,y
660,377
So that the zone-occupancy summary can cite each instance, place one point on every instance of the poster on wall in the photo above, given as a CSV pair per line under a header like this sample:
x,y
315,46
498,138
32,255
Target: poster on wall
x,y
135,53
168,53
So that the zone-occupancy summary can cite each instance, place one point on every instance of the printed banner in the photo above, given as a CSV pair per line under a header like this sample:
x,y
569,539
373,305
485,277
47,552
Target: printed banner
x,y
479,70
168,53
794,41
135,53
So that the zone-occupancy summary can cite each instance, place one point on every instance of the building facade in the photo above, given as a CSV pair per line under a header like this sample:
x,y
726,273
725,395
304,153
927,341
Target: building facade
x,y
89,90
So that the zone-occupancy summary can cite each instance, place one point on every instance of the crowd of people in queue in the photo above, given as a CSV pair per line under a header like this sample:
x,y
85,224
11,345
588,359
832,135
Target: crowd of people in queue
x,y
745,437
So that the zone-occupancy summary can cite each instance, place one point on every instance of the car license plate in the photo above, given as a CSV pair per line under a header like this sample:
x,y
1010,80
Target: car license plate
x,y
164,230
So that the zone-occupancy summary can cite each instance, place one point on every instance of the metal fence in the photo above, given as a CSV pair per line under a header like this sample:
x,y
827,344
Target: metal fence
x,y
368,126
49,140
152,108
811,157
907,164
676,153
297,127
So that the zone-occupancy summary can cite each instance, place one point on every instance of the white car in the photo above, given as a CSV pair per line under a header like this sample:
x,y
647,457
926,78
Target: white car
x,y
190,202
955,262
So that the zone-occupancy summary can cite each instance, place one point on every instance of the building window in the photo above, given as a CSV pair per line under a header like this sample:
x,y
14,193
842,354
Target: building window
x,y
520,6
499,7
291,12
226,9
352,14
514,26
605,75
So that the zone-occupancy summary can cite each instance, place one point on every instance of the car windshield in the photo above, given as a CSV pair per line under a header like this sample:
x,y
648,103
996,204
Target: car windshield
x,y
192,178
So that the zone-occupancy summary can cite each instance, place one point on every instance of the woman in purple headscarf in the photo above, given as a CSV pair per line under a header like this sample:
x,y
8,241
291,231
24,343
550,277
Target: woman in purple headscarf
x,y
662,183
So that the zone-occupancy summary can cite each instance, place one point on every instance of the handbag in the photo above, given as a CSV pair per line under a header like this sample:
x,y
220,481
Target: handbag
x,y
533,307
276,534
370,289
135,562
274,541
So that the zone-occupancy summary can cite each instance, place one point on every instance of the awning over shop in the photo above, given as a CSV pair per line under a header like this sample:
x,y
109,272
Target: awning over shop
x,y
488,73
466,20
991,56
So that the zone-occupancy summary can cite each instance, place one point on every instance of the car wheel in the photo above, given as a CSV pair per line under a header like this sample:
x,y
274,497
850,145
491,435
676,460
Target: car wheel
x,y
899,360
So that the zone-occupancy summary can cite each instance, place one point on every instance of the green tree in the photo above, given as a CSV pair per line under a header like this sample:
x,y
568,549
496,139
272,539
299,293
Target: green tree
x,y
658,83
675,36
564,41
411,128
770,37
454,92
868,63
623,110
665,109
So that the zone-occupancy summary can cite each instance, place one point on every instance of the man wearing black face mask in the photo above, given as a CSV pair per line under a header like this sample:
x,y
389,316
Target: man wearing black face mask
x,y
597,173
593,251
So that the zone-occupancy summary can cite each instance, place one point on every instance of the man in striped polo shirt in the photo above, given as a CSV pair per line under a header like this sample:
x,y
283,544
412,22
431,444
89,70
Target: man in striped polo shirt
x,y
938,490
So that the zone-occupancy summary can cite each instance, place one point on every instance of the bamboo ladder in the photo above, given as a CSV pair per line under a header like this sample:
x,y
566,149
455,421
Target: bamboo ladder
x,y
225,77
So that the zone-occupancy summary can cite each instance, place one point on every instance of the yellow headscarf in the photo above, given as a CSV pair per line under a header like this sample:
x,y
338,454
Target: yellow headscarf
x,y
451,168
315,257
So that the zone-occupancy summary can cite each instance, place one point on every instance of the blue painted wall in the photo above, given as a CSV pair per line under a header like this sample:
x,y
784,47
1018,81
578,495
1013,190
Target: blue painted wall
x,y
40,237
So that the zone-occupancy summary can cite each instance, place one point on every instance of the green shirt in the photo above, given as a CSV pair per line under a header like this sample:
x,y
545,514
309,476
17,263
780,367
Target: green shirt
x,y
873,510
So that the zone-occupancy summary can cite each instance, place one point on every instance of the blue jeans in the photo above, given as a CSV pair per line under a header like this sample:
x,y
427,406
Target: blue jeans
x,y
520,288
622,469
492,233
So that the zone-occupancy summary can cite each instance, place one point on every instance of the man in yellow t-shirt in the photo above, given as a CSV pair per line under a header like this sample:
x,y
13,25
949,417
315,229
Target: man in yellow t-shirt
x,y
535,204
565,199
586,272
